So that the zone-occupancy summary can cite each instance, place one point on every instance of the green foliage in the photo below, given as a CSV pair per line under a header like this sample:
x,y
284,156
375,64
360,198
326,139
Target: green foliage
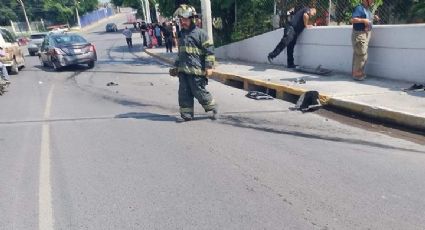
x,y
256,15
417,12
7,14
56,11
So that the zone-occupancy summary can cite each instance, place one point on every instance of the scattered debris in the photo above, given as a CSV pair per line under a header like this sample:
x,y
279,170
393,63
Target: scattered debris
x,y
318,70
3,85
415,87
258,95
308,101
300,81
111,84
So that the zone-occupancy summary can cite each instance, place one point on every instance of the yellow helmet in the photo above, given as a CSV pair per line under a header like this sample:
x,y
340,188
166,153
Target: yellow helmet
x,y
185,11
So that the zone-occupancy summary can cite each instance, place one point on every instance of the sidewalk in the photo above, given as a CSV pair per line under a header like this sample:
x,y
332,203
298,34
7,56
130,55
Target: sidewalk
x,y
378,98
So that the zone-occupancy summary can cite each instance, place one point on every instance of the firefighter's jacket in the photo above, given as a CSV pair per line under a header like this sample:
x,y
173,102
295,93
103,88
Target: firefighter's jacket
x,y
196,52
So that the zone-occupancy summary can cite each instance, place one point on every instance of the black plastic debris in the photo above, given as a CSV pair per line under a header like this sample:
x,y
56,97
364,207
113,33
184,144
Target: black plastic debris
x,y
415,87
308,101
111,84
258,95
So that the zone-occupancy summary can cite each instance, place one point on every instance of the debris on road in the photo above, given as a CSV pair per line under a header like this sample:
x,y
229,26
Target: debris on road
x,y
300,81
308,101
111,84
3,85
318,70
415,87
258,95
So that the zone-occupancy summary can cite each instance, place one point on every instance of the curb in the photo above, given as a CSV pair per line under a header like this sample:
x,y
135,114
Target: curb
x,y
281,91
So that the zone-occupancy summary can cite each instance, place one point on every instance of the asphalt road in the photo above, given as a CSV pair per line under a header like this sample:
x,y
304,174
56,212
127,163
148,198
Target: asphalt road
x,y
77,154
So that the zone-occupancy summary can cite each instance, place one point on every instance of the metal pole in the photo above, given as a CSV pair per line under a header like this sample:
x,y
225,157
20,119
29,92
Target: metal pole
x,y
148,11
13,26
25,14
236,12
206,18
329,12
77,14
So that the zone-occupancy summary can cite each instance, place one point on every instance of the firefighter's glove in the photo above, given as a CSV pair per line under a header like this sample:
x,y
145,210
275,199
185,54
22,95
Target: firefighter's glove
x,y
173,72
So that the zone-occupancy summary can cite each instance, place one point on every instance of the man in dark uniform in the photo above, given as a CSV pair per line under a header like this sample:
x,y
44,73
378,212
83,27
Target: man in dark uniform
x,y
193,65
168,36
300,20
143,30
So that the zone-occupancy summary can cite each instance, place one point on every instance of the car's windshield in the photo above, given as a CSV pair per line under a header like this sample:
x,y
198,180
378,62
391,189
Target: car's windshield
x,y
68,39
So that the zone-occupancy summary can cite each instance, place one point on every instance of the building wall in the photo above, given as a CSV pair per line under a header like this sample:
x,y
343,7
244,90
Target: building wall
x,y
395,51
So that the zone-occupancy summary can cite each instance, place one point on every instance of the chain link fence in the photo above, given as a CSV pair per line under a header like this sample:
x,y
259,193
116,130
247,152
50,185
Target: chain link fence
x,y
240,19
21,28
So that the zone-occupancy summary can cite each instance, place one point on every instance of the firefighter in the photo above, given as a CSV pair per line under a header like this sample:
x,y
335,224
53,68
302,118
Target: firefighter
x,y
193,65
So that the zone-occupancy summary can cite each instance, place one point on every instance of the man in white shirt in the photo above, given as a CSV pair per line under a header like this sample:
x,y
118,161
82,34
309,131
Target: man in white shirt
x,y
128,34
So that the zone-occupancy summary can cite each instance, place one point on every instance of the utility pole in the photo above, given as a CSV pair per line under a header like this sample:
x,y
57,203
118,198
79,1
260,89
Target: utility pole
x,y
206,18
25,14
142,2
76,13
148,11
329,12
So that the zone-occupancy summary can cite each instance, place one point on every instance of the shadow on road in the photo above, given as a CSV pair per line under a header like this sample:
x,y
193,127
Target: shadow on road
x,y
71,68
147,116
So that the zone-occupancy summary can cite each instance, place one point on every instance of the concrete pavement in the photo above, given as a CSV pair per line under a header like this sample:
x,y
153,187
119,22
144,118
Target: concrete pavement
x,y
118,159
377,98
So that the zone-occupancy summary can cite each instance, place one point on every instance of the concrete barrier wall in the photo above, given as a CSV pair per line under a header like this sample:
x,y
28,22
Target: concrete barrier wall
x,y
395,51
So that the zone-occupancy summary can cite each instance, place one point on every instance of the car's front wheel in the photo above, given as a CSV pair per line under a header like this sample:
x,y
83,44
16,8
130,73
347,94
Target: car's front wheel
x,y
14,69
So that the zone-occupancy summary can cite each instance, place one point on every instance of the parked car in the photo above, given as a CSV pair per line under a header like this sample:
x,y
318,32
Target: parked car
x,y
14,58
60,50
35,42
111,27
61,28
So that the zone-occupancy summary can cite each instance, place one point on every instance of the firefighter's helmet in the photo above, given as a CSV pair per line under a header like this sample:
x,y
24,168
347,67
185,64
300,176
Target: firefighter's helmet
x,y
185,11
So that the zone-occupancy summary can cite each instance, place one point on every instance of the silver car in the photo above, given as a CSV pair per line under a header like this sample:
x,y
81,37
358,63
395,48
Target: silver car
x,y
36,39
60,50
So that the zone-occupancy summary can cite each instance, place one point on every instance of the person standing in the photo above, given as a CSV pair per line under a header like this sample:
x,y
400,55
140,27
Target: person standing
x,y
128,34
362,20
299,21
168,37
5,74
158,35
175,43
143,30
193,65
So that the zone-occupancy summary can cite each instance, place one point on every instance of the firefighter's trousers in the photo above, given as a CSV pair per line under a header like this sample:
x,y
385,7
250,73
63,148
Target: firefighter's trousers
x,y
190,87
